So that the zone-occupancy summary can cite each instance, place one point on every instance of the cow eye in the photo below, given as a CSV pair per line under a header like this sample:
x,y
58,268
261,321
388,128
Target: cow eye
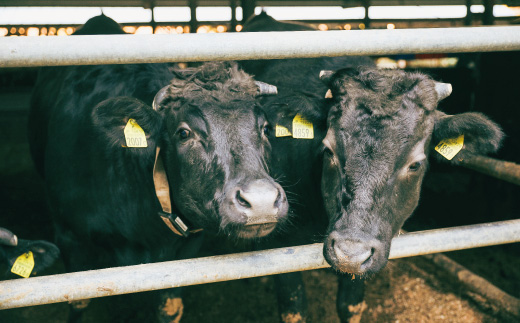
x,y
267,130
415,166
184,133
328,152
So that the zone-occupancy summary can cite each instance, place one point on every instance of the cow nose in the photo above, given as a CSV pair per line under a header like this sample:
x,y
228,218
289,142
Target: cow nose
x,y
259,202
354,256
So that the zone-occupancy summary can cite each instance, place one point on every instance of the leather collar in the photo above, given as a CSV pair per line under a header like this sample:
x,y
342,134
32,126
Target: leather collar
x,y
162,190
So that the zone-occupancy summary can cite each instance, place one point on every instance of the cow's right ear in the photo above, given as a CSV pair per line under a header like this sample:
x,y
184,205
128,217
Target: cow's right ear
x,y
481,135
44,253
113,118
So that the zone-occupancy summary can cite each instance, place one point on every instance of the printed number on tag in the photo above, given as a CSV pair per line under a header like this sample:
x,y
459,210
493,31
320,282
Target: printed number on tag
x,y
450,147
281,131
302,128
134,135
24,265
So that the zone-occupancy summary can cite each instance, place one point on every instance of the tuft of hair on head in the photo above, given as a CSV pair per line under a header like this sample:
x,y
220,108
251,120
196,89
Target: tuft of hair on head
x,y
216,79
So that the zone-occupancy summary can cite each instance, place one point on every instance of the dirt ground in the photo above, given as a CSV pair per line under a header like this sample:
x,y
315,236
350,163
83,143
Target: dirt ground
x,y
407,290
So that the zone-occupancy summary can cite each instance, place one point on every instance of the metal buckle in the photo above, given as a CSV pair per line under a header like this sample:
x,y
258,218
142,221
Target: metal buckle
x,y
175,223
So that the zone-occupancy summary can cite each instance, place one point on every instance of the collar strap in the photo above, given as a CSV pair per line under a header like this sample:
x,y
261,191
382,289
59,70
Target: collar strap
x,y
162,190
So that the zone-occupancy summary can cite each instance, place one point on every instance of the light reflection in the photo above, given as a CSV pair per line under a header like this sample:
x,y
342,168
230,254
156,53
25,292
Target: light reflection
x,y
129,29
33,31
144,30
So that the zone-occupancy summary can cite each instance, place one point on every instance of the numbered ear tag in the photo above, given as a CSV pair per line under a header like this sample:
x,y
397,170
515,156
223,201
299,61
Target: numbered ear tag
x,y
450,147
281,131
134,135
24,265
302,128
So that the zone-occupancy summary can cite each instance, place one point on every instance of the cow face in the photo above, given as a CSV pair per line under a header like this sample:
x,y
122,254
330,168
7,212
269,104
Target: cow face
x,y
217,152
381,128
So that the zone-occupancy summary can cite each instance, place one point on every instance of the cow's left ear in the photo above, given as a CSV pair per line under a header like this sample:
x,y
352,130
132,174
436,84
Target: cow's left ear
x,y
481,135
126,124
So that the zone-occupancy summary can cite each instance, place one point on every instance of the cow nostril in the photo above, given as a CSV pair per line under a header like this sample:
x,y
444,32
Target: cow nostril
x,y
278,200
243,202
369,258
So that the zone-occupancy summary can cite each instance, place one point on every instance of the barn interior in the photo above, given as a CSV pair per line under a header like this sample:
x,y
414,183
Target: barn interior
x,y
411,289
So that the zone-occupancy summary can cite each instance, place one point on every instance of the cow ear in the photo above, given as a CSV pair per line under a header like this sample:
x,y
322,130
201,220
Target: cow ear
x,y
44,253
112,116
481,135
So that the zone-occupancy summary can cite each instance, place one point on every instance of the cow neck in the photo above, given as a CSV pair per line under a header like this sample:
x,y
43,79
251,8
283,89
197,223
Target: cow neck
x,y
162,191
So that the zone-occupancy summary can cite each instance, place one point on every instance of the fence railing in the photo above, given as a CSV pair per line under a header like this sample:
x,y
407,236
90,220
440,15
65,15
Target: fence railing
x,y
140,278
119,49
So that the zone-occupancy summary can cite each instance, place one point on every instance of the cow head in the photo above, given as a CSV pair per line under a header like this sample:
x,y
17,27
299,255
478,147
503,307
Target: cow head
x,y
44,253
217,152
381,128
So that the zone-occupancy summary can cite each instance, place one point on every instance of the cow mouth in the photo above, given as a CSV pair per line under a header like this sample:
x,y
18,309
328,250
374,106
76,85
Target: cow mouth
x,y
256,230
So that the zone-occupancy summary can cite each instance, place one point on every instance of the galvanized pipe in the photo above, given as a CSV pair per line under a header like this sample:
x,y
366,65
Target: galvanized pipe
x,y
504,170
131,279
120,49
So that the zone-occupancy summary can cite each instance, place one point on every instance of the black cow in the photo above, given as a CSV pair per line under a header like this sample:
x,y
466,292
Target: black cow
x,y
44,253
364,166
103,193
297,161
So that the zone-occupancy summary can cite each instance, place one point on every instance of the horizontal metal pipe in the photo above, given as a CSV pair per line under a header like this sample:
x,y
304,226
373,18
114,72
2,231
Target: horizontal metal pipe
x,y
504,170
119,49
131,279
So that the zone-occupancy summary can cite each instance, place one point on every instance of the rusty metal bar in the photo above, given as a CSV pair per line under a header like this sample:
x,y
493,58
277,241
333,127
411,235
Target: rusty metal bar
x,y
504,170
132,279
126,49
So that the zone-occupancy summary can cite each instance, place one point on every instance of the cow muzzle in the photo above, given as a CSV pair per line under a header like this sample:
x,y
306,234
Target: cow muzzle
x,y
256,207
349,253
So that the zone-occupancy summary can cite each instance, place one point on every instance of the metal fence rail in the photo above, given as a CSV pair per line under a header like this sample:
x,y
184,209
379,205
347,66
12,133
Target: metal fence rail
x,y
119,49
504,170
131,279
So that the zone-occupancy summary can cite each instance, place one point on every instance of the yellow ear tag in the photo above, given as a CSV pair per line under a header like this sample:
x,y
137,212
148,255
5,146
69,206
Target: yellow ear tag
x,y
302,128
281,131
134,135
450,147
24,265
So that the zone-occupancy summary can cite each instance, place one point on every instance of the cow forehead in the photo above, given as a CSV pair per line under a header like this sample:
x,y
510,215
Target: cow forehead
x,y
378,143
